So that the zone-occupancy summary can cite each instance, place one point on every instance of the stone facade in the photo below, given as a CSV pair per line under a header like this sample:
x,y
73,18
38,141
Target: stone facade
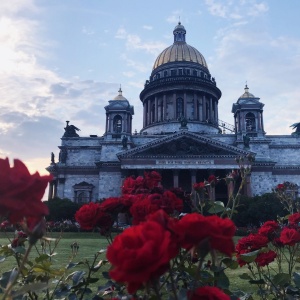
x,y
182,136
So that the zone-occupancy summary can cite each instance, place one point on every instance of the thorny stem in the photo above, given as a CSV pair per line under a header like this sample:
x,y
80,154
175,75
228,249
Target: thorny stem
x,y
89,275
12,283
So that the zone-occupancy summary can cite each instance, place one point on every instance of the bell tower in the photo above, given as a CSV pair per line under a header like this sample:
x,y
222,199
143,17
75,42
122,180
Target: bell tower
x,y
248,115
119,114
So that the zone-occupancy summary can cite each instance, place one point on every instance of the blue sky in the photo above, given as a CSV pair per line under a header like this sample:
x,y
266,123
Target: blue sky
x,y
64,59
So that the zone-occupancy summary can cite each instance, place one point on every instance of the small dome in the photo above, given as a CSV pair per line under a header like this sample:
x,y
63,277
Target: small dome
x,y
180,51
247,94
120,96
179,27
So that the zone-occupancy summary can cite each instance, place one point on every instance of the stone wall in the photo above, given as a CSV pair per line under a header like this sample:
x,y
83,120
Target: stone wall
x,y
110,184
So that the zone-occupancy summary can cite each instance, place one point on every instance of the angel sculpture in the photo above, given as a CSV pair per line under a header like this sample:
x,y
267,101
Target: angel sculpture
x,y
70,130
297,127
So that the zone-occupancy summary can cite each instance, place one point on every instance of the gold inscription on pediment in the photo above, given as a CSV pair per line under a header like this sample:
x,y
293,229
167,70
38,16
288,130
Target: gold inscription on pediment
x,y
184,162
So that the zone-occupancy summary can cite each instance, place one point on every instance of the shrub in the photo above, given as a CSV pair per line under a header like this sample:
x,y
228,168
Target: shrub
x,y
257,210
61,209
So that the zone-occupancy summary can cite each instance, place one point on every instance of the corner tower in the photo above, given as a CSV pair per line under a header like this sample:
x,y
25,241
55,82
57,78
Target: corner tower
x,y
248,115
119,114
180,93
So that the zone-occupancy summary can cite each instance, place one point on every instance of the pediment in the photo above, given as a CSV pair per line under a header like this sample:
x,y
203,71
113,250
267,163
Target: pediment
x,y
183,144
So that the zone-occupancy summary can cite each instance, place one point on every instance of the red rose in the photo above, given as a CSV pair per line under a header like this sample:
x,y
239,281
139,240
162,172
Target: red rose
x,y
152,179
199,186
212,180
280,187
222,237
112,205
128,185
21,193
139,254
289,236
141,209
269,229
251,243
265,258
294,219
88,215
166,201
194,228
248,244
207,293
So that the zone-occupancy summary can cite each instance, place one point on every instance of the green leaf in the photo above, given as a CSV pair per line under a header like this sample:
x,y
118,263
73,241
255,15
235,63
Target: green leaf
x,y
77,277
249,257
245,276
231,264
92,280
20,250
222,280
182,295
41,258
103,288
71,265
296,278
2,259
216,208
258,281
106,275
281,279
206,276
34,287
4,279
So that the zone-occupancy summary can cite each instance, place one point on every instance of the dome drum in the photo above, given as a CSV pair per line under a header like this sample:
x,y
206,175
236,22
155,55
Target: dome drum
x,y
180,87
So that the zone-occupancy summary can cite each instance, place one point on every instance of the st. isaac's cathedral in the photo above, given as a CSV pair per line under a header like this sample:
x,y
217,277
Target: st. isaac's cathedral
x,y
182,136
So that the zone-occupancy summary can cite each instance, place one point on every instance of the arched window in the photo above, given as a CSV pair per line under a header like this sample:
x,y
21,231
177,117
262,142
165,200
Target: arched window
x,y
117,124
179,108
83,192
250,122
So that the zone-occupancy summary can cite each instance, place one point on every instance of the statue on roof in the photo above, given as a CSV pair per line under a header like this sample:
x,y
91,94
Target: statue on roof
x,y
52,158
183,121
70,130
297,127
124,142
246,140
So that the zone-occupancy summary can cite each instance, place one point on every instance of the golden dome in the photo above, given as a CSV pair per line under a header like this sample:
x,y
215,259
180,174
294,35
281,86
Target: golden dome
x,y
247,94
180,51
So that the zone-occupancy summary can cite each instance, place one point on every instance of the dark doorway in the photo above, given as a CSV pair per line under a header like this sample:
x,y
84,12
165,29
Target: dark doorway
x,y
167,178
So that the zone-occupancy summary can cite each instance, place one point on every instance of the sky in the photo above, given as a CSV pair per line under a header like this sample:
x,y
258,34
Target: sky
x,y
65,59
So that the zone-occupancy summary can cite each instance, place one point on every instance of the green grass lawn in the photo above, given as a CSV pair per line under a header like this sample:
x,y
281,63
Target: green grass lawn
x,y
89,244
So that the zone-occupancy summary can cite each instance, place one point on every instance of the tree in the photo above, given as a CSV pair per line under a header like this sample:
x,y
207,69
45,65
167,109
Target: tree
x,y
61,209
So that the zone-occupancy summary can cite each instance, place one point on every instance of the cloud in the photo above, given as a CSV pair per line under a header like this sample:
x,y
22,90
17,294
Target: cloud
x,y
272,74
174,17
141,67
147,27
235,9
121,33
87,31
128,74
134,42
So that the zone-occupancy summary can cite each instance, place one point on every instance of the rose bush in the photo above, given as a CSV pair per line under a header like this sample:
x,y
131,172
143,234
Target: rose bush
x,y
164,254
265,253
